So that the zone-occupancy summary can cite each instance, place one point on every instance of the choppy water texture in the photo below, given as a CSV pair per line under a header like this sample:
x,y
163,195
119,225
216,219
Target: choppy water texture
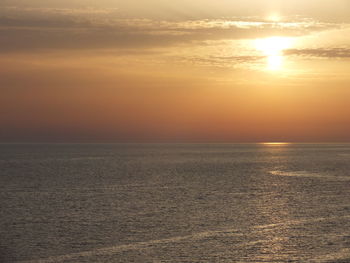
x,y
175,203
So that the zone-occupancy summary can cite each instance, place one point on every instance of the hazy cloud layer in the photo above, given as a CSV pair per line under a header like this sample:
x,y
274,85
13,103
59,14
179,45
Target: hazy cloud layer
x,y
332,10
92,28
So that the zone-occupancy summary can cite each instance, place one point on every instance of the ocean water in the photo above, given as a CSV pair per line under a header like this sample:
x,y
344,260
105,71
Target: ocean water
x,y
175,203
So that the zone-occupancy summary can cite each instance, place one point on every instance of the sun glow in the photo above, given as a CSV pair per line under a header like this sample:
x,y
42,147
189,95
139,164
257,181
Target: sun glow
x,y
273,48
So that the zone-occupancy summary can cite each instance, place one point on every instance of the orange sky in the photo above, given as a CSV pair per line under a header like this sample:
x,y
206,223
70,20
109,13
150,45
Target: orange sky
x,y
156,71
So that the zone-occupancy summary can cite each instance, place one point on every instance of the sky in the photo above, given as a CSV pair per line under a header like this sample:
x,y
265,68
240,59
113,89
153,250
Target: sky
x,y
174,71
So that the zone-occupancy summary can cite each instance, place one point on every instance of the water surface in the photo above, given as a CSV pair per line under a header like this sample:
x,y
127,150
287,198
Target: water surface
x,y
175,203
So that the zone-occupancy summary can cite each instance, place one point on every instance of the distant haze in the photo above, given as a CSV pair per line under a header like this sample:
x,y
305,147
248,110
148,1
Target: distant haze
x,y
183,71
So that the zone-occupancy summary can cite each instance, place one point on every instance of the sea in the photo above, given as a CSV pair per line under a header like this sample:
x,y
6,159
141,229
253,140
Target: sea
x,y
174,203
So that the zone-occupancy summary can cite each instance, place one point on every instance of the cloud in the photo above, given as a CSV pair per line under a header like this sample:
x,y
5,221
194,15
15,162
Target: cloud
x,y
320,52
219,61
24,29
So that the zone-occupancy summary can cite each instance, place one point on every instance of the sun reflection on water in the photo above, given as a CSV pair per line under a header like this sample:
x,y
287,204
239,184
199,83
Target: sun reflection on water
x,y
275,143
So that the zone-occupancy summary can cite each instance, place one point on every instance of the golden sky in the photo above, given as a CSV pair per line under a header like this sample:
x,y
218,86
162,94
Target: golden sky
x,y
174,71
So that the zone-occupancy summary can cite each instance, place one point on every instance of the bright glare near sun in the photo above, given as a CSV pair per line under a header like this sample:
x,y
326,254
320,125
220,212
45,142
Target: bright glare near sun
x,y
273,48
273,45
274,18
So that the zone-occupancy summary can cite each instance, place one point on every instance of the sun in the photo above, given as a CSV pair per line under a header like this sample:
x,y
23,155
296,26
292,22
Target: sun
x,y
272,48
274,62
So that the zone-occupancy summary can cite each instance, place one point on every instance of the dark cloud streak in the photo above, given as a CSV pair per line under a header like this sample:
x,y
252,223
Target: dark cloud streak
x,y
320,52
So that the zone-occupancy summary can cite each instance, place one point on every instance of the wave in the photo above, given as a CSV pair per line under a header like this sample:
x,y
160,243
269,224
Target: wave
x,y
341,256
309,174
108,251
